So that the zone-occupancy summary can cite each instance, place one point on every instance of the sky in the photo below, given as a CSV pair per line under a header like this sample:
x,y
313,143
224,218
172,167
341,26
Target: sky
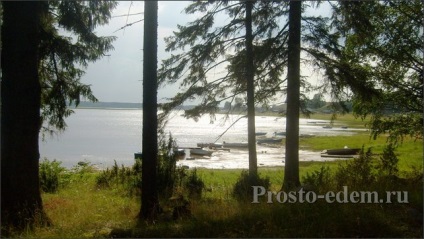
x,y
118,77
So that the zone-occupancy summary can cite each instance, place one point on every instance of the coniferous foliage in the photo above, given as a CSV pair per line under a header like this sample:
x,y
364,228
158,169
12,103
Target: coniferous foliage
x,y
231,47
208,48
41,69
63,58
371,52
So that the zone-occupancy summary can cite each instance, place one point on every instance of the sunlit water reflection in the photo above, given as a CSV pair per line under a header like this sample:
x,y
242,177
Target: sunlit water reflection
x,y
102,136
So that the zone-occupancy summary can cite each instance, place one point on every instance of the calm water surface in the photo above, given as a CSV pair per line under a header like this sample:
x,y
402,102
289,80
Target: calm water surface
x,y
104,135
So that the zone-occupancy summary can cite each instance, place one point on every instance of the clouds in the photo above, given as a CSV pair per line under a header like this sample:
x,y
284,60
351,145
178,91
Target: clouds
x,y
118,77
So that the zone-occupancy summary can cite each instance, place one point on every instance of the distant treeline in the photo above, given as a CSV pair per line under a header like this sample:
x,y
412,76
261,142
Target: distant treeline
x,y
86,104
118,105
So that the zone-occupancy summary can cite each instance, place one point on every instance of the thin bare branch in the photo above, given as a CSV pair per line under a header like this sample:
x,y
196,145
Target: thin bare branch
x,y
129,24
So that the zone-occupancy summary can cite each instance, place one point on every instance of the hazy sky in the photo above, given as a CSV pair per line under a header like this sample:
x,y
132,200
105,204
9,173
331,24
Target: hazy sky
x,y
117,78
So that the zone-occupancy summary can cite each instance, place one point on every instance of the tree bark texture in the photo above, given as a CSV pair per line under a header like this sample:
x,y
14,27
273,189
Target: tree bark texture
x,y
21,200
149,197
251,136
291,170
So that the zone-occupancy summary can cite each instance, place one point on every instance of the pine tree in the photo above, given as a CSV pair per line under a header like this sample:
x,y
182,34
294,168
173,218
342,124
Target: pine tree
x,y
249,47
149,192
371,53
387,47
291,169
21,202
40,72
250,88
63,58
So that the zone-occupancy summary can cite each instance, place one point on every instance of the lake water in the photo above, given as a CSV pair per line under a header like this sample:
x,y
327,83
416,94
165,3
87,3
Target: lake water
x,y
104,135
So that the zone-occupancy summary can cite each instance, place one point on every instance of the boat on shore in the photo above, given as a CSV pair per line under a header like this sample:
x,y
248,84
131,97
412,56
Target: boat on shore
x,y
260,133
270,141
209,145
200,152
280,133
179,152
236,145
345,151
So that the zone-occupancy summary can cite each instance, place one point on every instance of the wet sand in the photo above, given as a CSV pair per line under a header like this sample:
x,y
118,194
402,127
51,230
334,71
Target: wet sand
x,y
238,158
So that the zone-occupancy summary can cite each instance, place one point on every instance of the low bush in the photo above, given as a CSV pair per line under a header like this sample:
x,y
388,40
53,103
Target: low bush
x,y
320,180
194,185
167,176
388,161
368,171
51,175
356,173
243,187
128,178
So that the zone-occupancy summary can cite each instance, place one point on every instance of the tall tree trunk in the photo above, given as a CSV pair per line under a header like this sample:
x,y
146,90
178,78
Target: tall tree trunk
x,y
21,202
149,194
291,171
253,168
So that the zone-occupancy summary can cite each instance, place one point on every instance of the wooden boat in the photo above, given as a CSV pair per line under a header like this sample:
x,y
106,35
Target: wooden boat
x,y
260,133
339,156
236,145
179,152
346,151
280,133
201,152
209,145
269,141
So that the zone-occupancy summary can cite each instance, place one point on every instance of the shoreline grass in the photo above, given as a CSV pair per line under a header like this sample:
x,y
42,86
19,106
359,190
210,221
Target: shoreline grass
x,y
82,210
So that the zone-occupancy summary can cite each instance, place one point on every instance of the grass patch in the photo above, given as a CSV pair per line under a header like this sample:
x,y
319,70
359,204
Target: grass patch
x,y
410,152
83,210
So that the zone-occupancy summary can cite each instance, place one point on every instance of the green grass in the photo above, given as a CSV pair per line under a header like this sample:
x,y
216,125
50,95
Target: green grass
x,y
81,210
344,119
410,152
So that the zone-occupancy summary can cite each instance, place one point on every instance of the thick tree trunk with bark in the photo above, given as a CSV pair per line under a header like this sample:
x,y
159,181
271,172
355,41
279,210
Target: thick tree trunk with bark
x,y
291,171
21,202
251,136
149,194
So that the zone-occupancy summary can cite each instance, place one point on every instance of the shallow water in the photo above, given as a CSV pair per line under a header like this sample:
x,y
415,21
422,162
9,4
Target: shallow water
x,y
104,135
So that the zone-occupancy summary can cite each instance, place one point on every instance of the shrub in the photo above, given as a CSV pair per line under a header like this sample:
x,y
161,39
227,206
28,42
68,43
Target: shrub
x,y
243,187
388,161
320,180
194,185
167,176
358,172
50,175
128,178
